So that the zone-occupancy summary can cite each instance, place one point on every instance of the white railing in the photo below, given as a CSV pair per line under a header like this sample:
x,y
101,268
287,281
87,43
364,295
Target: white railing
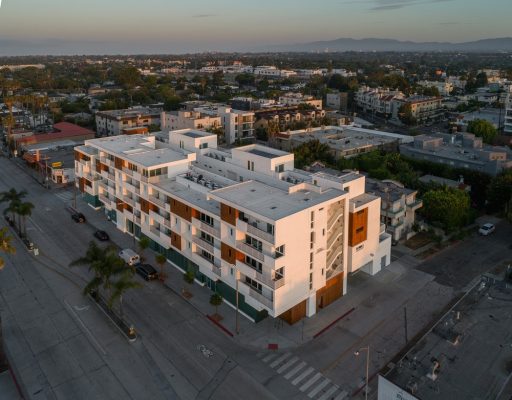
x,y
332,220
206,228
258,296
159,202
250,250
203,243
334,236
260,233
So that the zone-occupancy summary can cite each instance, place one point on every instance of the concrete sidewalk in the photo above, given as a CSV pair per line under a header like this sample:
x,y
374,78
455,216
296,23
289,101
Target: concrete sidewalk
x,y
8,390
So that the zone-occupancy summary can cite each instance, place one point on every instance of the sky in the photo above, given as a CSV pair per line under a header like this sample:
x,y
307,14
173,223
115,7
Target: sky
x,y
176,26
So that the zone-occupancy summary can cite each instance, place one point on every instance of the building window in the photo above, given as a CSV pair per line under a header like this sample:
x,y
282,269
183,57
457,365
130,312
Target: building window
x,y
280,251
206,219
251,262
258,245
360,247
207,238
253,284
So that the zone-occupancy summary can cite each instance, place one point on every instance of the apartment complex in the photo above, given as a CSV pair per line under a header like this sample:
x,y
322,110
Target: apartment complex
x,y
462,150
344,141
423,108
177,120
444,87
281,118
237,124
295,99
507,127
398,207
378,100
288,237
112,123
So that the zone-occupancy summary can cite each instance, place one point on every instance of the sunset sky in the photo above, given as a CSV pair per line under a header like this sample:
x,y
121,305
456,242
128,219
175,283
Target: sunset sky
x,y
145,26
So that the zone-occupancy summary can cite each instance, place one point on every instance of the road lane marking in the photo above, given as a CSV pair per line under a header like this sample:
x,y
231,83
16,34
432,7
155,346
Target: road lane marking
x,y
295,370
280,360
34,223
302,376
309,383
329,393
342,395
287,365
269,357
317,390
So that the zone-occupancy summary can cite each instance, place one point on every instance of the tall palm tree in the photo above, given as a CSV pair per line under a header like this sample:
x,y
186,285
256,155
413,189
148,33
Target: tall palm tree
x,y
24,211
5,245
120,286
13,197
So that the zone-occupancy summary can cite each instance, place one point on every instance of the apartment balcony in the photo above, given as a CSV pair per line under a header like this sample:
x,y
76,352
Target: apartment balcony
x,y
247,249
129,201
206,263
396,226
204,244
158,201
105,200
206,228
264,277
244,226
415,205
129,186
393,213
108,175
127,171
254,294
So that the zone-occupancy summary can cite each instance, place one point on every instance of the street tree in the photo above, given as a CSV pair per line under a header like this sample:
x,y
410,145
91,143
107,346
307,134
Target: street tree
x,y
216,301
160,259
447,206
24,210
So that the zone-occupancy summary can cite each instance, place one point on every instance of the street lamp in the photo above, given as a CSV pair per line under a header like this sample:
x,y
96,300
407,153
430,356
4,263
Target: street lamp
x,y
357,353
237,317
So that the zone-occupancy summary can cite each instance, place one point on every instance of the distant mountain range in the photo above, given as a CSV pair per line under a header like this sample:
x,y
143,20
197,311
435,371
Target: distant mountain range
x,y
372,44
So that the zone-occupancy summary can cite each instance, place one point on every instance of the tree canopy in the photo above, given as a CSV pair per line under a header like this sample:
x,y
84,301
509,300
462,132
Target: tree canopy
x,y
483,129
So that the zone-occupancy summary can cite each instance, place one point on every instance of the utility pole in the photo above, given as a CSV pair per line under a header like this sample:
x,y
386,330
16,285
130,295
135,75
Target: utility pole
x,y
237,326
405,325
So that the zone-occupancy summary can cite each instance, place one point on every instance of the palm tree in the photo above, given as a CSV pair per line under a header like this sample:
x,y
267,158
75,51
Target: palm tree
x,y
5,245
160,259
120,286
144,243
13,197
24,211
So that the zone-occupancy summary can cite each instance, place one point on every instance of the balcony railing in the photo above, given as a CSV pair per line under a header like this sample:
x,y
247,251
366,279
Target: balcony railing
x,y
245,226
250,250
158,201
258,296
203,243
217,270
127,171
206,228
263,277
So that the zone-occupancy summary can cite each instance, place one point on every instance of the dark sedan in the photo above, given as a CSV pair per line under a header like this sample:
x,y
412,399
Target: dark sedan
x,y
101,236
78,217
147,272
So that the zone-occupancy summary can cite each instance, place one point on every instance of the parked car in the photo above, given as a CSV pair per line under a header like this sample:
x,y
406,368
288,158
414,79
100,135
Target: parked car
x,y
101,236
130,257
486,229
28,243
78,217
147,272
9,219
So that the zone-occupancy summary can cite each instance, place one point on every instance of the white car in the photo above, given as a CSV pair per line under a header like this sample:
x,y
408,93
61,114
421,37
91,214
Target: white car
x,y
486,229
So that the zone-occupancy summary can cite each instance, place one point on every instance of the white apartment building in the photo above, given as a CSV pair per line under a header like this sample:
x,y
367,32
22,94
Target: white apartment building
x,y
176,120
294,99
507,127
273,72
113,122
378,100
444,87
237,124
288,237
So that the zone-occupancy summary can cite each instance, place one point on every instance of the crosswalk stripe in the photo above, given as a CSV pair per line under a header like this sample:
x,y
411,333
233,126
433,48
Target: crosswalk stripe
x,y
275,363
259,355
309,383
270,357
329,393
288,364
296,369
302,376
342,395
317,390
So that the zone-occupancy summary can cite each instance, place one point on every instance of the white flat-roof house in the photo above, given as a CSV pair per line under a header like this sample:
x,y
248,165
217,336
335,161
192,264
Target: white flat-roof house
x,y
113,122
287,236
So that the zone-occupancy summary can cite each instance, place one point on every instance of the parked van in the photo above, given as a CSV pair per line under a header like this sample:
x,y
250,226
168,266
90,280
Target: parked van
x,y
130,257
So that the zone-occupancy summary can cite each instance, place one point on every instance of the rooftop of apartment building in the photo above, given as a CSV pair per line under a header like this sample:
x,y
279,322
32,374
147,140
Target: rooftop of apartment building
x,y
140,149
273,203
462,147
467,353
346,137
387,189
437,180
132,112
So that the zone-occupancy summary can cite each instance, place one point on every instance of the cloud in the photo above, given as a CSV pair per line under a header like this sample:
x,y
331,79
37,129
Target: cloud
x,y
389,5
203,15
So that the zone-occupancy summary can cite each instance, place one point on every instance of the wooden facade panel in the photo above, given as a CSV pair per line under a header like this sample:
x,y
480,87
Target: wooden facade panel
x,y
294,314
144,205
358,227
176,241
331,292
229,214
81,185
229,254
118,162
182,210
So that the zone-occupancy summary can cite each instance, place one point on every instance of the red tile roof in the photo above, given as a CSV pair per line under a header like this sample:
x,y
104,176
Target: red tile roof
x,y
63,130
